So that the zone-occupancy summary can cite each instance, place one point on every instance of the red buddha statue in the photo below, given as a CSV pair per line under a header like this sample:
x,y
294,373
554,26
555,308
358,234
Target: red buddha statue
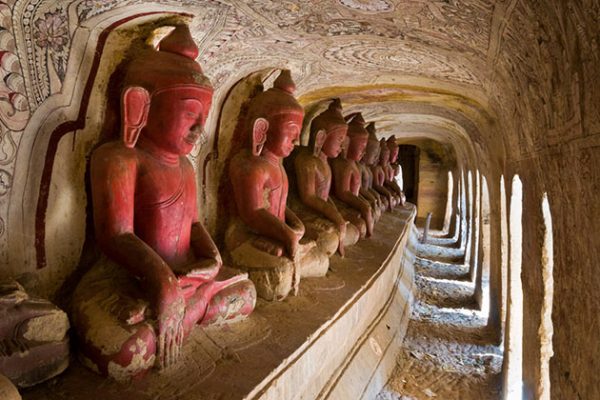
x,y
347,177
378,203
379,175
266,237
313,180
393,169
161,273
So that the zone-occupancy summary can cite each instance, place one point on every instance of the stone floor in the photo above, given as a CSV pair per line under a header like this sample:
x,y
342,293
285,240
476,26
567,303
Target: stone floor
x,y
448,352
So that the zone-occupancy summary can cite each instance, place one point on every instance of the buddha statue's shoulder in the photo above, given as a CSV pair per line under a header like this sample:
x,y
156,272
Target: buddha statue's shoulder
x,y
247,163
339,162
305,157
114,151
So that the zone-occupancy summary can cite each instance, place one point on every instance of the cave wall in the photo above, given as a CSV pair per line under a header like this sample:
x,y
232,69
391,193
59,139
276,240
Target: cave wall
x,y
548,63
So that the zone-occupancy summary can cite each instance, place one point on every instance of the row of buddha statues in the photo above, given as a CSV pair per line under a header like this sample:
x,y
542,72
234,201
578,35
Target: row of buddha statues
x,y
161,273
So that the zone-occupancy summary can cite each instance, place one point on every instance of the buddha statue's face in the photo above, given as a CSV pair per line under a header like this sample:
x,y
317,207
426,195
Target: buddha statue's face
x,y
176,120
394,153
358,144
385,155
332,147
372,152
283,133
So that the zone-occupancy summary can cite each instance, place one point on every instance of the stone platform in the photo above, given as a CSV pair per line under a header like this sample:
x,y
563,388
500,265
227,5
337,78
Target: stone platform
x,y
338,339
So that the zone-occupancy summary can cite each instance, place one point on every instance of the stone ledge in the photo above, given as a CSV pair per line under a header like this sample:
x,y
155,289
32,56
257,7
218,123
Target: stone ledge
x,y
337,339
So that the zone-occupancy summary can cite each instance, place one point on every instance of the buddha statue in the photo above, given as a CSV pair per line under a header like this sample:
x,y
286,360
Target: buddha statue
x,y
378,203
34,344
323,221
265,237
347,178
393,169
379,175
160,273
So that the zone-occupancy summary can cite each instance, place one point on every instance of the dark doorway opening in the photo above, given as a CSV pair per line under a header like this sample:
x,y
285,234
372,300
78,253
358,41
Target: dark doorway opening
x,y
409,161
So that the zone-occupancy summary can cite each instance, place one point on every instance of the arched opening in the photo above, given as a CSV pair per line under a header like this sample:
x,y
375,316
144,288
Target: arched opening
x,y
469,220
449,210
546,329
476,224
483,276
503,255
513,384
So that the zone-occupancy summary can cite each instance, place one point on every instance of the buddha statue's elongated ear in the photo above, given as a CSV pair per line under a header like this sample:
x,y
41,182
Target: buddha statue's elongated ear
x,y
345,145
319,140
259,135
135,104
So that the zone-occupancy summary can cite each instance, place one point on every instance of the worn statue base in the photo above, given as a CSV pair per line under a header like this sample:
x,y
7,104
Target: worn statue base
x,y
275,275
117,329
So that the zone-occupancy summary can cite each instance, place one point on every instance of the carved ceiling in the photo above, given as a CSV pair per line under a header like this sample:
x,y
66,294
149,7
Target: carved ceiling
x,y
322,41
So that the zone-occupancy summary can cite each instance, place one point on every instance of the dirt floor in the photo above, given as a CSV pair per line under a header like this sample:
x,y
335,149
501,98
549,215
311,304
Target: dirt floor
x,y
448,353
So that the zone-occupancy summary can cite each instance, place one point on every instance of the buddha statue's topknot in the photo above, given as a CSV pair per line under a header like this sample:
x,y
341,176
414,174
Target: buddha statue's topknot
x,y
372,130
329,120
356,125
173,64
391,142
277,100
285,82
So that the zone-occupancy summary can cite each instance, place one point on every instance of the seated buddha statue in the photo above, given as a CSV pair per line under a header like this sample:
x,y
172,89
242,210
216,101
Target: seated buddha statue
x,y
265,237
392,169
323,221
378,203
379,175
160,273
347,178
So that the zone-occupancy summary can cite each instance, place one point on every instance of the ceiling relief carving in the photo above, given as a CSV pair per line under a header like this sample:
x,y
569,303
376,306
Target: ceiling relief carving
x,y
325,32
368,5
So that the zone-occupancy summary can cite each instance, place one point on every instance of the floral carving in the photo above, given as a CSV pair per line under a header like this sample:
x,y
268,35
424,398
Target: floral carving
x,y
51,31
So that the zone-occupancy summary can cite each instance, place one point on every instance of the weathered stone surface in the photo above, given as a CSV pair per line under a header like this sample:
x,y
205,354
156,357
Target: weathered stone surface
x,y
34,345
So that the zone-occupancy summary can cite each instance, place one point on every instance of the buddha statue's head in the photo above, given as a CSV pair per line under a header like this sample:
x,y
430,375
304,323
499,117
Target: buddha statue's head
x,y
328,131
166,97
274,118
358,137
394,149
373,147
384,155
